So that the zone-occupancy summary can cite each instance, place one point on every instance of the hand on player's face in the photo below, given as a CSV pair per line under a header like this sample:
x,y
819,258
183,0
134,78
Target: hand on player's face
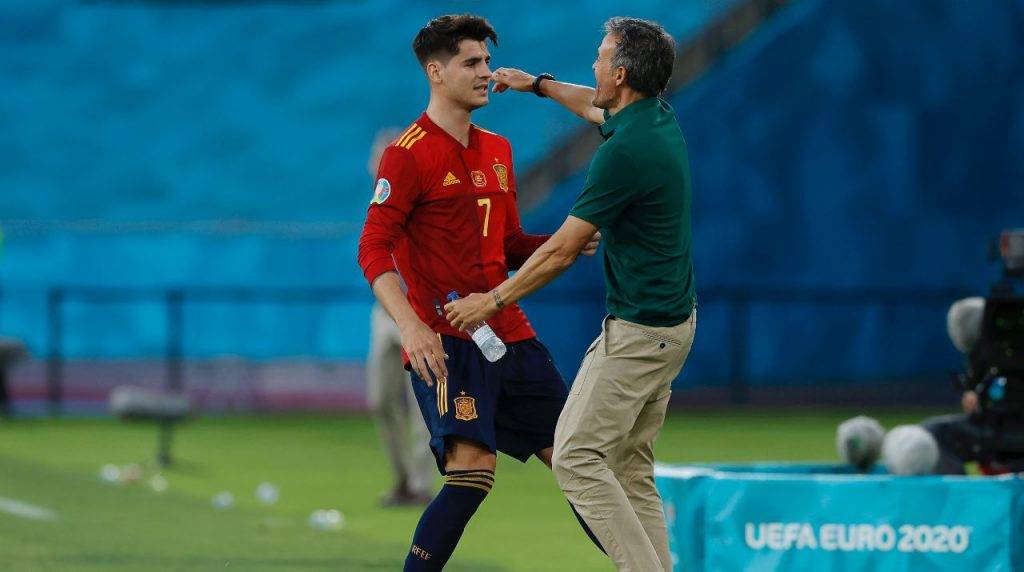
x,y
426,354
517,80
591,248
470,310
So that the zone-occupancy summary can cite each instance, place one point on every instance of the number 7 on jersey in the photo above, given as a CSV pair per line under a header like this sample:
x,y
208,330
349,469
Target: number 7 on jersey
x,y
486,203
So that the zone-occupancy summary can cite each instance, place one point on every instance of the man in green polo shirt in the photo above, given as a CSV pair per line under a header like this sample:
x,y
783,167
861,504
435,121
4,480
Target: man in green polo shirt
x,y
638,196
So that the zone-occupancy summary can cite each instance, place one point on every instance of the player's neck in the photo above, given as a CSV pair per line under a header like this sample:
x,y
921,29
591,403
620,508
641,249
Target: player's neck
x,y
452,119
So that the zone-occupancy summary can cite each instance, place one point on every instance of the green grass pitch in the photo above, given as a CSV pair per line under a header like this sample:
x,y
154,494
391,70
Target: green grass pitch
x,y
317,462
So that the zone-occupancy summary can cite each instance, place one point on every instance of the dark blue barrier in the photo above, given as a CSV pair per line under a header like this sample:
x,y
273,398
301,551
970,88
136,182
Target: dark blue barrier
x,y
742,346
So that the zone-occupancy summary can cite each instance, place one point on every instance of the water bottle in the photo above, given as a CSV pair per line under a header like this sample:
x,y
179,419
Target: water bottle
x,y
484,336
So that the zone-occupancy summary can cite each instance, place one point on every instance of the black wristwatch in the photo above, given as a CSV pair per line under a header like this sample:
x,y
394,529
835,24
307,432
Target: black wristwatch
x,y
536,83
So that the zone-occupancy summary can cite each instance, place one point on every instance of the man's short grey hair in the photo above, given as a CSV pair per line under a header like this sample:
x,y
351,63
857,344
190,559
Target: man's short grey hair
x,y
645,50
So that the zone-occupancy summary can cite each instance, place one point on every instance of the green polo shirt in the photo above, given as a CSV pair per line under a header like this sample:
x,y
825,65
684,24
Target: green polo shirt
x,y
638,194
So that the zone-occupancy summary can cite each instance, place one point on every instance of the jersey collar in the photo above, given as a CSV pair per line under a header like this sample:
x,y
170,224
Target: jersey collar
x,y
431,127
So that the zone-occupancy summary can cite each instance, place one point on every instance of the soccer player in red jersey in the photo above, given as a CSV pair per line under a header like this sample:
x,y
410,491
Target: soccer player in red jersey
x,y
444,216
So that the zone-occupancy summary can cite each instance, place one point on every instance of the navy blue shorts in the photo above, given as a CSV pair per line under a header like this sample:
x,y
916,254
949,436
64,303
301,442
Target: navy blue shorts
x,y
511,405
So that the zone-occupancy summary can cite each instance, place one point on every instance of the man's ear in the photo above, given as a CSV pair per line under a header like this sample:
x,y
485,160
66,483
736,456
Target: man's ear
x,y
620,76
434,71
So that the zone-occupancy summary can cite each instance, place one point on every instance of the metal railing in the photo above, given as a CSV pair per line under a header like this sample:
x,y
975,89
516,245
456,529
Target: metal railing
x,y
738,300
174,301
741,300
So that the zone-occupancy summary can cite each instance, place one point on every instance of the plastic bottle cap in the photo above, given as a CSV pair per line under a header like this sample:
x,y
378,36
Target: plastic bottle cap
x,y
453,296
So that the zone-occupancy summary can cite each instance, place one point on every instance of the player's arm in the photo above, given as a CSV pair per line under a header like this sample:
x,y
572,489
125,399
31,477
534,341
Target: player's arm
x,y
519,246
546,263
419,341
576,98
385,225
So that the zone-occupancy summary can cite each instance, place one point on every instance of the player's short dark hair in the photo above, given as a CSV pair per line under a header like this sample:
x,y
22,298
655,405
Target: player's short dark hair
x,y
441,36
646,51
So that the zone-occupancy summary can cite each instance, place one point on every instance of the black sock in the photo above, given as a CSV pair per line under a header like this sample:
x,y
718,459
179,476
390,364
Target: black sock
x,y
590,533
443,521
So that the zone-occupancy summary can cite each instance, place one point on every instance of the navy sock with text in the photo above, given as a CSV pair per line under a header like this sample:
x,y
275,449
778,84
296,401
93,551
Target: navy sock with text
x,y
444,520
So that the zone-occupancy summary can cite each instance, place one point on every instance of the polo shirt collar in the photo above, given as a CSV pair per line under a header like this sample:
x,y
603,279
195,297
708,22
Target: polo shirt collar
x,y
612,122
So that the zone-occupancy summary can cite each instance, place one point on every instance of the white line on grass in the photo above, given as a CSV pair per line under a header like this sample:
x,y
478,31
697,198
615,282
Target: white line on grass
x,y
25,510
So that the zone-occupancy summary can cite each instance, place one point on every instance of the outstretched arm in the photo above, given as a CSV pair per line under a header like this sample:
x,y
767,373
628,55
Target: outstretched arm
x,y
551,259
576,98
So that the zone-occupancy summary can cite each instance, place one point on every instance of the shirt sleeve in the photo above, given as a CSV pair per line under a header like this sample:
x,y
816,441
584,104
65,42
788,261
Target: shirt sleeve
x,y
610,187
394,197
519,246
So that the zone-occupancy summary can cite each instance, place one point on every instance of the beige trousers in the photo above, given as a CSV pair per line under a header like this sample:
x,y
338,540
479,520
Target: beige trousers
x,y
604,441
391,399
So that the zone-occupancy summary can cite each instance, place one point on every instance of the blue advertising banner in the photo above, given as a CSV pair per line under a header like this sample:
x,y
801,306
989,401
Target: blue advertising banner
x,y
814,517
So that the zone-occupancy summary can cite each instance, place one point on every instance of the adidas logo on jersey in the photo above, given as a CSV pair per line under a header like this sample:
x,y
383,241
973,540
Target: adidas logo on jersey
x,y
450,180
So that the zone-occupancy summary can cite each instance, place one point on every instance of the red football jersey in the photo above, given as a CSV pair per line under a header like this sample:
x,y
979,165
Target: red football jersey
x,y
446,216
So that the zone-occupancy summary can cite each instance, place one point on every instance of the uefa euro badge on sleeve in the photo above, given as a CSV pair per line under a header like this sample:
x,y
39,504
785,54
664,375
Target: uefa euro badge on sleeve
x,y
381,192
502,172
465,407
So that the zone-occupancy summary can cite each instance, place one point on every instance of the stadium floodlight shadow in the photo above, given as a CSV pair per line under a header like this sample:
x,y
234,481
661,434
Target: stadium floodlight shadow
x,y
166,408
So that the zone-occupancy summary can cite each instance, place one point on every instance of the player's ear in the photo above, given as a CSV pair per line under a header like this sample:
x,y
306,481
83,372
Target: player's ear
x,y
433,70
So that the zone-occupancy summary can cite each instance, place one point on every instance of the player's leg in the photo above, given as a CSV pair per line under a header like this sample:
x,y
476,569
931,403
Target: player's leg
x,y
460,414
386,395
466,455
422,469
530,400
469,476
607,397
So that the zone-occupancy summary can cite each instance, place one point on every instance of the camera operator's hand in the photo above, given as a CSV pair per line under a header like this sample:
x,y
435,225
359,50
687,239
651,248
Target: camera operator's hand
x,y
969,401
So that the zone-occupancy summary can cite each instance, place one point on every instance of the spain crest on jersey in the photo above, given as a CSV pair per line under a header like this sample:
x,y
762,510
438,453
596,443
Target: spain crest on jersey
x,y
502,172
465,408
